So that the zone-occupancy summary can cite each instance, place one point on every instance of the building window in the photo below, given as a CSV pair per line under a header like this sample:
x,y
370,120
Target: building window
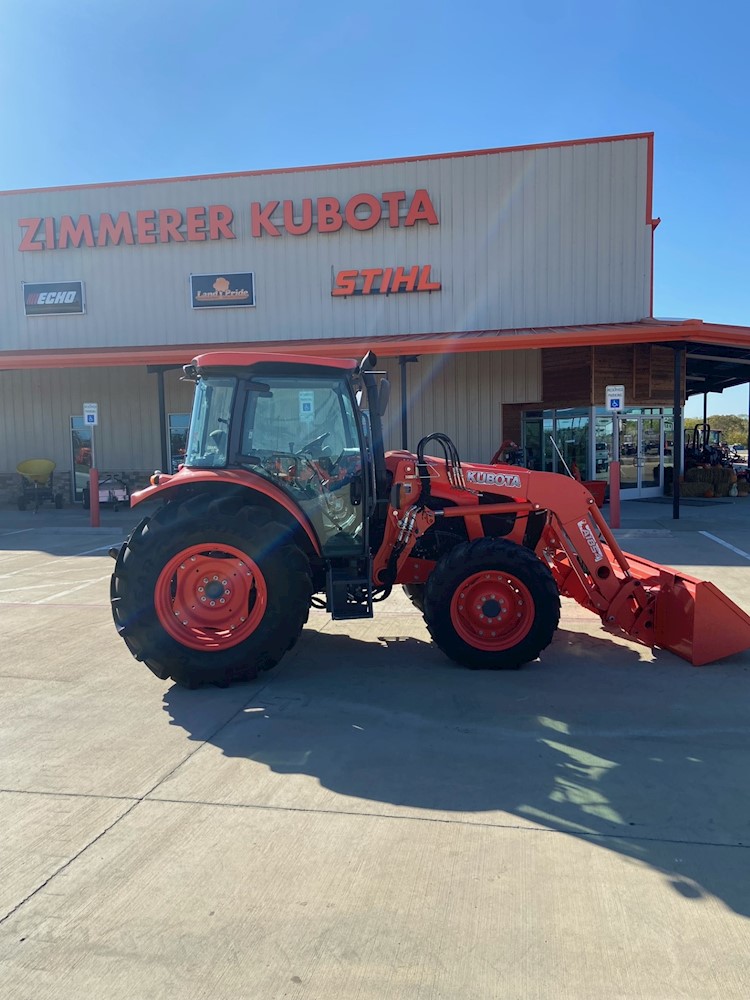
x,y
178,431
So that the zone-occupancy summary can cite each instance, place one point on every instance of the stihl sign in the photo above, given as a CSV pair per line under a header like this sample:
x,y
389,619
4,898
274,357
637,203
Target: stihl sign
x,y
218,222
385,281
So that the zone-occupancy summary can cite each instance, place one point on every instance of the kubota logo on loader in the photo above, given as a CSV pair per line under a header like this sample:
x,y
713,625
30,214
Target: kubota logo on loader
x,y
592,543
495,479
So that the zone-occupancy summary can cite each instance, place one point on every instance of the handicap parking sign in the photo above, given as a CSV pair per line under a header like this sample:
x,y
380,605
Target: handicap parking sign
x,y
615,397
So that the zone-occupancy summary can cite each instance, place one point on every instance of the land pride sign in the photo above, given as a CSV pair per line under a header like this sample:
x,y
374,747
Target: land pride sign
x,y
361,212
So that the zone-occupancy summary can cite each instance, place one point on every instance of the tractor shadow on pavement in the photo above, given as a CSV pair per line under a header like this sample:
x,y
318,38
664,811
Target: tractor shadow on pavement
x,y
638,753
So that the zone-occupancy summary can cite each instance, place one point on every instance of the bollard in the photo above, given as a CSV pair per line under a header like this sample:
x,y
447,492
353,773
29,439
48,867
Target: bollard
x,y
614,494
94,497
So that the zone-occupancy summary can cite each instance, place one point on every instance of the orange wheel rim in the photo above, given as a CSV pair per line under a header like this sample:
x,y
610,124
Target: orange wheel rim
x,y
210,596
492,611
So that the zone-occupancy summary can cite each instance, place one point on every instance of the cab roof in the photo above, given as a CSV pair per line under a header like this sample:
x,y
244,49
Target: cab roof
x,y
244,359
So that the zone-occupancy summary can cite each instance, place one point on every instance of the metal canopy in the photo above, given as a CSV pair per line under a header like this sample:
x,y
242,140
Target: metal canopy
x,y
713,368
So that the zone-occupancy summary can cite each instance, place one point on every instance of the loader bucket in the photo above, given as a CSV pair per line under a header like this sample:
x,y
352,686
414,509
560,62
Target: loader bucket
x,y
692,618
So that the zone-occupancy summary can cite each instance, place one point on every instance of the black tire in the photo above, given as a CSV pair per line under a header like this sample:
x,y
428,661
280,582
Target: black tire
x,y
491,604
141,589
86,499
59,501
415,593
22,504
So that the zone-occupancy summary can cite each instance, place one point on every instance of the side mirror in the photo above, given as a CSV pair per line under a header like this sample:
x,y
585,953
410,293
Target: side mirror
x,y
384,394
367,363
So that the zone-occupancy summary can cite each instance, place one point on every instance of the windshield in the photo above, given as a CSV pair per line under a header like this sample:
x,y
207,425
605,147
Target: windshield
x,y
208,440
302,433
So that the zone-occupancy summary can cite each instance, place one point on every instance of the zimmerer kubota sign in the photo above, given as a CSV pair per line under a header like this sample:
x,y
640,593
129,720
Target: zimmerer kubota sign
x,y
215,222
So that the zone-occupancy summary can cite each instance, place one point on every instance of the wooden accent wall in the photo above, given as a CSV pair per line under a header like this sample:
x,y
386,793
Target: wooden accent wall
x,y
662,377
578,376
511,429
566,377
613,366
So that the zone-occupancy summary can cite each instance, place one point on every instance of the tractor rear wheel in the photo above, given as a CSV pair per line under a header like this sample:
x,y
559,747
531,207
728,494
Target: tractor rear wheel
x,y
210,596
491,604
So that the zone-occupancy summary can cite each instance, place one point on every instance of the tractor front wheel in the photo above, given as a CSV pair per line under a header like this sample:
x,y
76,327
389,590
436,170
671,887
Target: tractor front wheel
x,y
415,593
491,604
208,597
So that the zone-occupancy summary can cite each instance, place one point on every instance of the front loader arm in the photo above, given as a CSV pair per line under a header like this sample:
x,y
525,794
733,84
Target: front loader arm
x,y
651,603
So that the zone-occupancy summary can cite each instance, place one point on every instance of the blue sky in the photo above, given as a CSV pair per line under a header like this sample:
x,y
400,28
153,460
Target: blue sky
x,y
101,90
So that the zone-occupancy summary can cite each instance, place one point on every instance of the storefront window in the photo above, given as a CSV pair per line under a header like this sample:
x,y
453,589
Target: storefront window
x,y
178,432
603,444
532,443
572,437
644,433
82,447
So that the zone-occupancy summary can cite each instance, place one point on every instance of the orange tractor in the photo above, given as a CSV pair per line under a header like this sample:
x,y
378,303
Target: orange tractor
x,y
287,500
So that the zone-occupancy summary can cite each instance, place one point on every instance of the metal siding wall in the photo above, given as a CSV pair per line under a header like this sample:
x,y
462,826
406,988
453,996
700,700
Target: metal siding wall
x,y
458,394
36,406
552,236
461,395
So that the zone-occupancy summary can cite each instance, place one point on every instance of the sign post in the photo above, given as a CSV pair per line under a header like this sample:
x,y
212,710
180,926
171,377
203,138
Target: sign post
x,y
91,419
615,403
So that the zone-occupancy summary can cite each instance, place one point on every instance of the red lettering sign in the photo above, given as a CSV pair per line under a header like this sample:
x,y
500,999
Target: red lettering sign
x,y
329,215
373,218
115,232
199,223
170,221
149,226
30,228
393,280
298,229
76,232
361,212
220,219
421,208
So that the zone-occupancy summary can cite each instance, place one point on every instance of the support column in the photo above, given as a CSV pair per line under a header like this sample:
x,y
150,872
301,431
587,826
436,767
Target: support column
x,y
403,361
678,447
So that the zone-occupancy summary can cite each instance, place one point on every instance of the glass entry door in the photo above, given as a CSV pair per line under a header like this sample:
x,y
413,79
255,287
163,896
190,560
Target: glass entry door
x,y
641,456
82,454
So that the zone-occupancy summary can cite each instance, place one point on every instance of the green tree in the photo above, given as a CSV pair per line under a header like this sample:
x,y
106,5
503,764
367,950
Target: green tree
x,y
734,428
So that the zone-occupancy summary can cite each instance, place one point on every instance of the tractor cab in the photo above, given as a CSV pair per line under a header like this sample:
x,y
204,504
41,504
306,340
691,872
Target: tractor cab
x,y
311,429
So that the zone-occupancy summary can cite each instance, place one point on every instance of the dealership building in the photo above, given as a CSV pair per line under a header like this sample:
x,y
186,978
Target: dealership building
x,y
502,290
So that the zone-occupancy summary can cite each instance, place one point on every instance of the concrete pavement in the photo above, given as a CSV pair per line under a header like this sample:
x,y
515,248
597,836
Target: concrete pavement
x,y
369,820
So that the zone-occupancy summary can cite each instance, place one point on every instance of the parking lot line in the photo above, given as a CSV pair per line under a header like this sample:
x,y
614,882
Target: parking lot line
x,y
733,548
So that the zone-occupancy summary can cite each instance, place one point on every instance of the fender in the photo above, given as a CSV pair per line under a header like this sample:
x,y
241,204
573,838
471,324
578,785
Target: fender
x,y
166,485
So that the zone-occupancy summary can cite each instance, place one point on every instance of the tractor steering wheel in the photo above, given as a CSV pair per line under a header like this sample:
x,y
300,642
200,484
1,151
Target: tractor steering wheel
x,y
312,444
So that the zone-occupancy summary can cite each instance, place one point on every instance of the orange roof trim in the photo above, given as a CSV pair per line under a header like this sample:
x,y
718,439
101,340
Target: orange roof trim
x,y
646,331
